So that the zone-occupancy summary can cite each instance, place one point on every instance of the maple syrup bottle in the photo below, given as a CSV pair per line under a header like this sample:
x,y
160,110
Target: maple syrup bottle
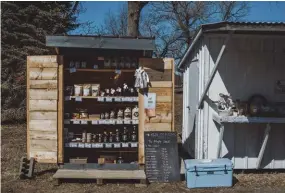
x,y
117,137
105,137
99,138
125,90
125,135
134,135
111,137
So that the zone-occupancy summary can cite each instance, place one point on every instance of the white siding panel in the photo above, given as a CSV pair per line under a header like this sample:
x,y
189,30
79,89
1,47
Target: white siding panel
x,y
248,67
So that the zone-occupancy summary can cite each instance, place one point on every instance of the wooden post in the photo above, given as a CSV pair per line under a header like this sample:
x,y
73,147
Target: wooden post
x,y
60,111
262,150
221,136
141,128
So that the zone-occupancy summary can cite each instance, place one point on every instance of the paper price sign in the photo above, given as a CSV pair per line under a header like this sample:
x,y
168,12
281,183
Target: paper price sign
x,y
76,121
72,70
81,145
84,122
125,145
94,122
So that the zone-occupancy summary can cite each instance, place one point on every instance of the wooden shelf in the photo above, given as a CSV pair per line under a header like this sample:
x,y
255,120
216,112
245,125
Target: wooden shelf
x,y
104,99
101,122
102,70
102,145
244,119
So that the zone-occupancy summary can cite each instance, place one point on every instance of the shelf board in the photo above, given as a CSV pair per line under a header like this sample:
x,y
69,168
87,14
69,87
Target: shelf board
x,y
102,70
100,122
105,146
244,119
104,99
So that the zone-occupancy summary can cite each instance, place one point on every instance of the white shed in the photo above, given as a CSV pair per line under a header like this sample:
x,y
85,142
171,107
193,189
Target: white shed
x,y
239,59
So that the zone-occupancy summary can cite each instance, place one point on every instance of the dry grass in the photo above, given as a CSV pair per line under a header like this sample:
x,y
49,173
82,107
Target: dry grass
x,y
14,147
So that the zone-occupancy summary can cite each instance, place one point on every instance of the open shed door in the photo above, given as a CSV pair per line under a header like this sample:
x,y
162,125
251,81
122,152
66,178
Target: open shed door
x,y
44,108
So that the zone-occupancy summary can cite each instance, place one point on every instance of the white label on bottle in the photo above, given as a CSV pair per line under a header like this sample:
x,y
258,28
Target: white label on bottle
x,y
88,145
84,122
108,145
66,121
134,144
78,98
117,145
76,121
94,122
127,121
67,98
125,144
119,122
72,70
81,145
109,99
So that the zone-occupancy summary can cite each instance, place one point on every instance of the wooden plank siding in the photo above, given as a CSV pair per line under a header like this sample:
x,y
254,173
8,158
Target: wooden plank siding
x,y
42,108
161,75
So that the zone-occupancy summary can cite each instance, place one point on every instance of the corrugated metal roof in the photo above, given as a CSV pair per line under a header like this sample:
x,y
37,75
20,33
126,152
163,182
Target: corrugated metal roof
x,y
268,28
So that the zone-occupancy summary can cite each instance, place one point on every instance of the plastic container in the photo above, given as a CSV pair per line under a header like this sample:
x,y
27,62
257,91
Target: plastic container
x,y
208,173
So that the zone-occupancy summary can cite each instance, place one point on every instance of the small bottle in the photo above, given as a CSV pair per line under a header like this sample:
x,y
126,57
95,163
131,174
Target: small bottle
x,y
122,63
117,137
135,113
102,116
125,89
134,135
131,91
125,135
112,115
128,113
107,92
119,91
105,137
107,115
114,63
120,160
99,138
120,114
112,92
111,137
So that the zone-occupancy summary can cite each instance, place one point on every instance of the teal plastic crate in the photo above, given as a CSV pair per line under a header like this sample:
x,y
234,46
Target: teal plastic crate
x,y
208,173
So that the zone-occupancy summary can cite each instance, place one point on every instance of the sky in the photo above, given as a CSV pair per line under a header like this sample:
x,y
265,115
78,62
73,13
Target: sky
x,y
264,11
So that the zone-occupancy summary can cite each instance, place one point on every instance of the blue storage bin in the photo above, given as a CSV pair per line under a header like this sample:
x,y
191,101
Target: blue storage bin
x,y
208,173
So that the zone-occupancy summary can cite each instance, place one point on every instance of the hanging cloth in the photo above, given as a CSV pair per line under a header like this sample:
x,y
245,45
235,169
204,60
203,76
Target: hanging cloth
x,y
142,79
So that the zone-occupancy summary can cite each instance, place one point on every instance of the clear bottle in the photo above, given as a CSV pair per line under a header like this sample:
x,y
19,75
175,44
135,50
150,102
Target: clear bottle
x,y
105,137
125,135
99,138
117,137
111,137
134,135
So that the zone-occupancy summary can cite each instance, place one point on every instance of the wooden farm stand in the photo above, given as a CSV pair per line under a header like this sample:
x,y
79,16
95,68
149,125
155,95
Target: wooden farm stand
x,y
47,77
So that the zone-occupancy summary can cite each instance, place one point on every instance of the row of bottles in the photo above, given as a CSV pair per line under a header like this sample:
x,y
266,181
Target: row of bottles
x,y
105,137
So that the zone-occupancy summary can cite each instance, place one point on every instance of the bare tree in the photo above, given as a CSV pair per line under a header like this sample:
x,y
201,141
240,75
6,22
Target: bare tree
x,y
116,23
173,24
134,11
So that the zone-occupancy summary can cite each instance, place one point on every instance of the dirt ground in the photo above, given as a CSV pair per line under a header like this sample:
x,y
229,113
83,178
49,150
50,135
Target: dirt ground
x,y
14,147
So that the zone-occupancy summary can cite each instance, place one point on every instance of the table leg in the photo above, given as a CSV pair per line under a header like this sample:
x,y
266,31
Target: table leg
x,y
262,150
222,128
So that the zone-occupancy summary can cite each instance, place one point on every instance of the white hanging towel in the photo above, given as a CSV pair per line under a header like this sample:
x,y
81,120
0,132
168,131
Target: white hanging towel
x,y
142,79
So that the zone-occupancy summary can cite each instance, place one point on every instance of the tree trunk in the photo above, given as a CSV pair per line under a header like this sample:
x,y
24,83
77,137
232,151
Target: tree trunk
x,y
134,10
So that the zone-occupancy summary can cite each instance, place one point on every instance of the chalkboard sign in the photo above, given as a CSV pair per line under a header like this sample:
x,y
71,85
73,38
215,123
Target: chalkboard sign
x,y
161,156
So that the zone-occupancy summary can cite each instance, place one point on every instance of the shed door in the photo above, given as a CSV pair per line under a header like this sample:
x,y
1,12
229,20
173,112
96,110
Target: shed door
x,y
44,108
193,101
